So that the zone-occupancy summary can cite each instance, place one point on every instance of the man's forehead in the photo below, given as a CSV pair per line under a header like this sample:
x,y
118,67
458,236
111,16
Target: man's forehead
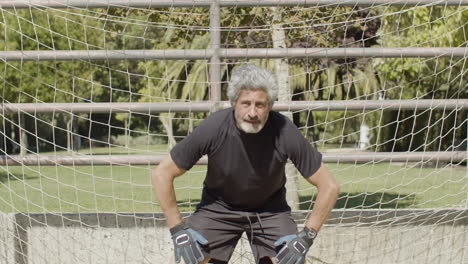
x,y
257,92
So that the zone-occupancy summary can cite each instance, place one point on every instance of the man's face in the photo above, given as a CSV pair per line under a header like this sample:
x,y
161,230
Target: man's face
x,y
251,110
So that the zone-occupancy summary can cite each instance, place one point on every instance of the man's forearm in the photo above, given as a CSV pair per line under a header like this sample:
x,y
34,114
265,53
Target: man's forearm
x,y
164,187
323,206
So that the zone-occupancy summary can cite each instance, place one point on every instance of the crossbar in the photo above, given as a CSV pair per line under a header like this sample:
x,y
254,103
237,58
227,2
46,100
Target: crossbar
x,y
222,3
126,160
148,108
205,54
359,217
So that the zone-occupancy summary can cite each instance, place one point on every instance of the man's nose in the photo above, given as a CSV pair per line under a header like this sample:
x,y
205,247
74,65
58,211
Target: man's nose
x,y
253,111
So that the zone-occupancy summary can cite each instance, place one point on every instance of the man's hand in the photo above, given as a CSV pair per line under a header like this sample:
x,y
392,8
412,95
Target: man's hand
x,y
187,244
295,247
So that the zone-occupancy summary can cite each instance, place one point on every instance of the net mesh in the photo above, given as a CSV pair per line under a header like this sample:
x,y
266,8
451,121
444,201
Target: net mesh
x,y
387,212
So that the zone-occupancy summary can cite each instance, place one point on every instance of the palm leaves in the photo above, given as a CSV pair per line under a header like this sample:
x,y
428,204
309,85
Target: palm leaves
x,y
170,81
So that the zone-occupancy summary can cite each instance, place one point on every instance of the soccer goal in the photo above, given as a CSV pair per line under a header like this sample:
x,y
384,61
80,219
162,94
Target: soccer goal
x,y
95,93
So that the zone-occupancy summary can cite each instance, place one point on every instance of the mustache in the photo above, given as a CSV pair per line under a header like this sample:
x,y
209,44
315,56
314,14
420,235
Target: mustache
x,y
251,119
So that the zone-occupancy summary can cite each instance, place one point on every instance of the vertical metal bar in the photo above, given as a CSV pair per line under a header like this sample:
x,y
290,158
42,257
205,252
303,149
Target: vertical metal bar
x,y
215,62
21,228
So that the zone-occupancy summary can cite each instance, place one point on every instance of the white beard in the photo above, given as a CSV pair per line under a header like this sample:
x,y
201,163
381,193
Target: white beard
x,y
250,128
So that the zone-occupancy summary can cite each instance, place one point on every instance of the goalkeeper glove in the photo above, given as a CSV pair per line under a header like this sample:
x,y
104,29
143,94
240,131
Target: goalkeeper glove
x,y
187,244
295,246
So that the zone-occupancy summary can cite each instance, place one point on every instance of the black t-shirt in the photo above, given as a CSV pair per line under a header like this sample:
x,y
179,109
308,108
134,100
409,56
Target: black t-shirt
x,y
247,171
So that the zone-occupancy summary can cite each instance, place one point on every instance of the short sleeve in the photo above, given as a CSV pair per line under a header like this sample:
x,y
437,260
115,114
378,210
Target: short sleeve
x,y
187,152
300,151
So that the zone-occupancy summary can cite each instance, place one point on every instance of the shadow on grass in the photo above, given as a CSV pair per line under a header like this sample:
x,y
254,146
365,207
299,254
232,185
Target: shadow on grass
x,y
188,205
356,200
107,154
5,176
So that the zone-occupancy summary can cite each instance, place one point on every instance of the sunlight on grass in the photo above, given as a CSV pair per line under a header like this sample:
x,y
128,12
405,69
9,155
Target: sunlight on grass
x,y
115,150
128,188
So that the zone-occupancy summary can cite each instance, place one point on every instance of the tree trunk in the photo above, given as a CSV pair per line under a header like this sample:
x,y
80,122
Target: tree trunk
x,y
166,120
73,140
3,136
69,135
282,73
190,128
75,136
127,136
23,135
14,138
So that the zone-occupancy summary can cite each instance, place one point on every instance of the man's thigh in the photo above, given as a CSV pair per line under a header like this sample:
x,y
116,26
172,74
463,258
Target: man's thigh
x,y
266,230
222,229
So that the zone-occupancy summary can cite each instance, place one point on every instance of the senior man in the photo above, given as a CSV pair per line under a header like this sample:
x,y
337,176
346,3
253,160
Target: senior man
x,y
248,146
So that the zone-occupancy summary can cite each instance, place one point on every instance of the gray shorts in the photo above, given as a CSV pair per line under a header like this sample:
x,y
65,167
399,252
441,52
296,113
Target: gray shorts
x,y
223,228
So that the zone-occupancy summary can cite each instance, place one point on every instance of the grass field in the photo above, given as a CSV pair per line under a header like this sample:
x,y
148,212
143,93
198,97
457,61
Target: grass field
x,y
128,189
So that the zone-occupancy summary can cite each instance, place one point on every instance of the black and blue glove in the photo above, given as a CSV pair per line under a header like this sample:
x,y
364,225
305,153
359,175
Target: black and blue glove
x,y
295,247
187,244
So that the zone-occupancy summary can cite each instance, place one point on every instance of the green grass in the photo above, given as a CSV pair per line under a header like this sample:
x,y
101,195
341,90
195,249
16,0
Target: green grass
x,y
388,185
128,189
116,150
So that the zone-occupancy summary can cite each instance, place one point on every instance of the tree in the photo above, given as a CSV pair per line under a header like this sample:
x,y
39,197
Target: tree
x,y
181,80
433,78
51,81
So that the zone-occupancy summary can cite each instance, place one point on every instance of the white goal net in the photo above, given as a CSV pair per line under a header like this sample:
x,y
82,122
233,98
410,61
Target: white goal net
x,y
95,93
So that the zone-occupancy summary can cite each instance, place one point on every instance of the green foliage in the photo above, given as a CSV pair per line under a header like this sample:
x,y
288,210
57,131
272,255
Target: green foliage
x,y
314,79
48,81
424,78
188,28
59,81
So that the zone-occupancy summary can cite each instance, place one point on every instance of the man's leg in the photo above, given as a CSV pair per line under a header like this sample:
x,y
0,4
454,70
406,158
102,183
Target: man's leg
x,y
205,261
172,261
222,228
267,260
266,229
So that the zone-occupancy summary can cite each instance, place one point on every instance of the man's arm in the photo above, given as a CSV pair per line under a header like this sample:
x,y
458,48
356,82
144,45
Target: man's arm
x,y
295,246
163,183
328,191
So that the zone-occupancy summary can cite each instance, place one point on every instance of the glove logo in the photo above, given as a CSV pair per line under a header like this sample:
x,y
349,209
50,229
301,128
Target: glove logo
x,y
182,239
299,247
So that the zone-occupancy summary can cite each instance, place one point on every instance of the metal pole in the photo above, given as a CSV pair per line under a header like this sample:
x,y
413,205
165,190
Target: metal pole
x,y
343,52
215,53
148,108
215,45
222,3
353,157
333,3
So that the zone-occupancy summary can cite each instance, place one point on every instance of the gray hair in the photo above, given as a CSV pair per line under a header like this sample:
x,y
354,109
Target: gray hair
x,y
252,77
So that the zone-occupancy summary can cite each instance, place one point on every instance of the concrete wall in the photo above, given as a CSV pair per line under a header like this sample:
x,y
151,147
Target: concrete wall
x,y
7,238
423,236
